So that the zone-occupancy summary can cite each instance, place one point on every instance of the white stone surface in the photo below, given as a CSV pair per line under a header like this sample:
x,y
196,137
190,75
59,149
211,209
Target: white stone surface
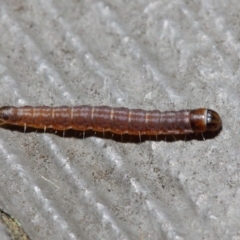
x,y
139,54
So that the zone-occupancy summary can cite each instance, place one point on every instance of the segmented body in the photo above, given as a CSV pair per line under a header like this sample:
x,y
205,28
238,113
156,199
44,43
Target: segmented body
x,y
115,120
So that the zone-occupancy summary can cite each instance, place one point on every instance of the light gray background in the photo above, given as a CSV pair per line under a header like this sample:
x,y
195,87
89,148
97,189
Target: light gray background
x,y
166,55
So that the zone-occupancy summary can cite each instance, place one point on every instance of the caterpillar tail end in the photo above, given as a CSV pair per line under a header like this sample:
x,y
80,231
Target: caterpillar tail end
x,y
3,115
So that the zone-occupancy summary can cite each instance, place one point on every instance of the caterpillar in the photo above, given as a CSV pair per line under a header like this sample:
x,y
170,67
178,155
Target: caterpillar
x,y
115,120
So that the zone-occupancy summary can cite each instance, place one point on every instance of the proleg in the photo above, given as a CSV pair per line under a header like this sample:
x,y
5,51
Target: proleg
x,y
115,120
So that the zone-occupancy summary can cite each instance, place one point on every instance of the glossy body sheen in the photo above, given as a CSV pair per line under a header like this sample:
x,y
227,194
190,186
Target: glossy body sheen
x,y
115,120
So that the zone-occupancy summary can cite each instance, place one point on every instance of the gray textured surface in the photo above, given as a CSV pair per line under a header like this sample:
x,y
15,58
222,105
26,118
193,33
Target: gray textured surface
x,y
142,54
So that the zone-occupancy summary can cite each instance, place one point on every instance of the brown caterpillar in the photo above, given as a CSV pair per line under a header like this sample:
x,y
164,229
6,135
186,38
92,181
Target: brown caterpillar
x,y
115,120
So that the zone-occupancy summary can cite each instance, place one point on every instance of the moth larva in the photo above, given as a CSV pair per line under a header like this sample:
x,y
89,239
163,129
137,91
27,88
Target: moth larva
x,y
115,120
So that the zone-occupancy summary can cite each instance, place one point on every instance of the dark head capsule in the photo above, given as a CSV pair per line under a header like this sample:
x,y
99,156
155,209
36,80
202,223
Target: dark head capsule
x,y
213,121
203,120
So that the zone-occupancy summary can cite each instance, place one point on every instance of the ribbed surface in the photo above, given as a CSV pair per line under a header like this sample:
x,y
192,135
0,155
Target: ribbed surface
x,y
166,55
